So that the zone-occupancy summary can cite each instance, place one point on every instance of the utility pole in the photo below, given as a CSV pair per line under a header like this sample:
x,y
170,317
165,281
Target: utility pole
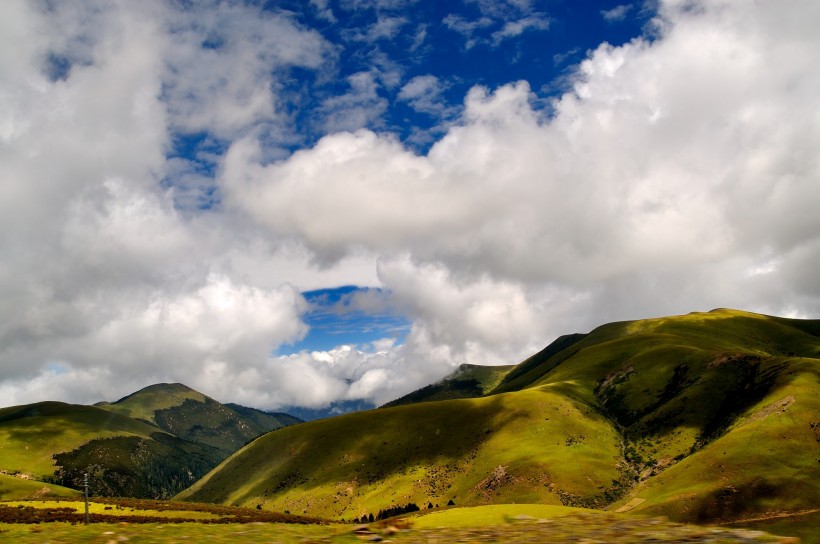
x,y
85,487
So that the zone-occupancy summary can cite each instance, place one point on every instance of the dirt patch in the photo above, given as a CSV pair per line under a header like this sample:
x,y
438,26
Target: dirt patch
x,y
778,407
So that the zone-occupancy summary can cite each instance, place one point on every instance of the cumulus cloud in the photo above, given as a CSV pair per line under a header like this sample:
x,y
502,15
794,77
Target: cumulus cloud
x,y
670,169
676,174
106,286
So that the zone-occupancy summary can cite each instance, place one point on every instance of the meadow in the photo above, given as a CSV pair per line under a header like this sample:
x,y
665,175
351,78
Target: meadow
x,y
162,522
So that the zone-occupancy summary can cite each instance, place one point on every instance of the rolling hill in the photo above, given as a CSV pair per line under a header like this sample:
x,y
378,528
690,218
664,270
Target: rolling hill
x,y
706,417
151,444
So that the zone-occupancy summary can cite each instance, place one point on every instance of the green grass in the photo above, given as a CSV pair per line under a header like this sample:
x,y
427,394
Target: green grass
x,y
494,514
31,434
12,488
143,403
531,446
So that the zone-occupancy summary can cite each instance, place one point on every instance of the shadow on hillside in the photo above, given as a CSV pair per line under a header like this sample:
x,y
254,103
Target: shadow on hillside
x,y
364,448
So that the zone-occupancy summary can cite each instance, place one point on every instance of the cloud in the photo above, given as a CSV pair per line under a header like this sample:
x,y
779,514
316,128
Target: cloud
x,y
467,28
106,285
512,29
385,28
669,170
360,107
676,174
618,13
221,63
423,93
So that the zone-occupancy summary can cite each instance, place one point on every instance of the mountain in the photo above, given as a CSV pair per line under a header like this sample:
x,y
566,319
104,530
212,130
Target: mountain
x,y
706,417
467,382
190,415
150,444
336,408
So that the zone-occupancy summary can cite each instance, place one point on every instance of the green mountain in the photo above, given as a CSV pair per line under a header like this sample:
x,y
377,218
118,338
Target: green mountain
x,y
467,382
707,417
195,417
150,444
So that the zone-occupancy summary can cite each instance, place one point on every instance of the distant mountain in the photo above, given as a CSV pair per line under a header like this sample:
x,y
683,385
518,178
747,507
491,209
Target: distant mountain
x,y
334,409
466,382
188,414
273,420
152,443
706,417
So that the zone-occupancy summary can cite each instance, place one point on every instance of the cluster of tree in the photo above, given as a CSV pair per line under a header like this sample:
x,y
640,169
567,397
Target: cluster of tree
x,y
129,466
394,511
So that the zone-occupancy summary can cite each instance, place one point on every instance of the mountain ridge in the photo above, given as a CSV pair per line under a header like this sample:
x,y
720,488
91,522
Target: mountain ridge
x,y
705,417
150,444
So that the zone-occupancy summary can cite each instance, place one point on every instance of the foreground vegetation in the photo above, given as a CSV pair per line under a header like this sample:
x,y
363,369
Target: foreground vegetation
x,y
155,522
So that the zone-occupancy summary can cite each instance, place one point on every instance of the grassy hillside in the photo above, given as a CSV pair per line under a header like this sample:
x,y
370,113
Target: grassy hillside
x,y
146,401
532,446
152,444
30,435
12,488
195,417
468,381
703,417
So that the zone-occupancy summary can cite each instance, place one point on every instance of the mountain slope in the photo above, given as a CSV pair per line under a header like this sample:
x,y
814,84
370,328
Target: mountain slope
x,y
532,446
468,381
31,434
190,415
152,444
703,417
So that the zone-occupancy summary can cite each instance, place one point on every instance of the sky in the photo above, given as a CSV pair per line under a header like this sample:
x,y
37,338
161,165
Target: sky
x,y
302,203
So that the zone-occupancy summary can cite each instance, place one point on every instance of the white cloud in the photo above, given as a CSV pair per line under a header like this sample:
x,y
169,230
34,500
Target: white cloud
x,y
512,29
618,13
676,175
424,94
671,169
360,107
225,86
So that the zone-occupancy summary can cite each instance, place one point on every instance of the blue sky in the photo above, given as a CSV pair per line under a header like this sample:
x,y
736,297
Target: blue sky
x,y
333,203
404,67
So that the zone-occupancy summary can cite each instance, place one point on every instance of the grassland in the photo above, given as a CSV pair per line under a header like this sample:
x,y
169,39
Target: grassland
x,y
154,522
30,435
707,417
12,488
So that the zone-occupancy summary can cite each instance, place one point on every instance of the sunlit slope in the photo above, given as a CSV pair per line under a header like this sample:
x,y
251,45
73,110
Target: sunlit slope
x,y
143,403
765,462
532,446
12,488
715,415
718,410
468,381
30,435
